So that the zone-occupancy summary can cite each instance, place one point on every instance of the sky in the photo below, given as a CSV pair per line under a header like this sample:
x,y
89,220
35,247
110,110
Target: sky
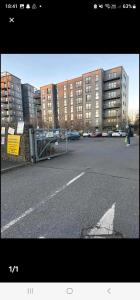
x,y
42,69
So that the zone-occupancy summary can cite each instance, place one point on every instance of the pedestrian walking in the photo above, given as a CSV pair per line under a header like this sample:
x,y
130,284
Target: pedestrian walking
x,y
128,134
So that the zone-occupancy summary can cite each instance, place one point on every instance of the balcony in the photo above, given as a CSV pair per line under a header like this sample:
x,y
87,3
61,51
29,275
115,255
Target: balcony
x,y
107,78
6,99
113,116
108,88
113,96
107,106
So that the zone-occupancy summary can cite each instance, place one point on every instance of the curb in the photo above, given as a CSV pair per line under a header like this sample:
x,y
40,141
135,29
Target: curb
x,y
14,167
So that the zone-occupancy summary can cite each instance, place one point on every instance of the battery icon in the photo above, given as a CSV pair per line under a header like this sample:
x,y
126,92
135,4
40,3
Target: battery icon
x,y
95,6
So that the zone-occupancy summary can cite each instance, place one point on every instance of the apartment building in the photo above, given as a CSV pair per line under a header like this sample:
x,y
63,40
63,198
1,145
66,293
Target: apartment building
x,y
95,100
115,97
37,103
70,103
49,105
29,109
11,98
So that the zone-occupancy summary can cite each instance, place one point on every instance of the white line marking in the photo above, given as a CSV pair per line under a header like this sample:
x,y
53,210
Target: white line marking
x,y
105,224
71,181
27,212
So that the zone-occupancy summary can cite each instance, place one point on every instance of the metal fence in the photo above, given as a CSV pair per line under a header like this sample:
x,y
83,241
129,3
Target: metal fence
x,y
45,144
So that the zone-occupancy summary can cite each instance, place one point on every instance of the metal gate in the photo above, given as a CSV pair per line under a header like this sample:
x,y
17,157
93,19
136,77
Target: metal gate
x,y
45,144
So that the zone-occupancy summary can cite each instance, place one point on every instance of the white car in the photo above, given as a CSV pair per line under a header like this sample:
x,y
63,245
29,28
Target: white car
x,y
86,134
104,134
119,133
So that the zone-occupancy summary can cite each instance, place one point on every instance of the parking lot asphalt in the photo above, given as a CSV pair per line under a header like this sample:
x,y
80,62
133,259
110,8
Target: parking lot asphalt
x,y
60,197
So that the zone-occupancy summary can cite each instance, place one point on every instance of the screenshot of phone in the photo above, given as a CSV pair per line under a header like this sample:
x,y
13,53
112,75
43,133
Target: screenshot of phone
x,y
69,150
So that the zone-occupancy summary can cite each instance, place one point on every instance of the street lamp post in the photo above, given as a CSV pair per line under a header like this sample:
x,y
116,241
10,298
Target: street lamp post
x,y
117,118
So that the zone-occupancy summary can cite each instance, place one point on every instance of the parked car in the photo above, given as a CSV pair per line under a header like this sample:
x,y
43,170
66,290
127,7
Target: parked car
x,y
110,133
105,134
86,134
119,133
97,134
72,135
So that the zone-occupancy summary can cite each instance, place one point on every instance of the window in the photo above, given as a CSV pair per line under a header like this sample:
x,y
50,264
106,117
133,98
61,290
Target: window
x,y
49,91
112,84
79,116
97,121
79,100
65,103
97,113
49,111
43,105
66,117
71,117
112,94
88,105
78,83
71,93
71,86
44,112
49,97
88,115
71,101
64,87
79,108
79,93
65,109
88,89
65,96
112,75
96,77
96,87
71,109
97,95
88,79
50,119
88,97
49,104
97,104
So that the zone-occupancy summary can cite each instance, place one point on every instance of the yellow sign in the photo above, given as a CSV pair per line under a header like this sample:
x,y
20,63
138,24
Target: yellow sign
x,y
13,142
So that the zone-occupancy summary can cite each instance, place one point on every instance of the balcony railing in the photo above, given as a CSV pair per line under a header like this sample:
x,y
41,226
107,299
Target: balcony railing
x,y
107,106
107,87
107,78
108,97
113,116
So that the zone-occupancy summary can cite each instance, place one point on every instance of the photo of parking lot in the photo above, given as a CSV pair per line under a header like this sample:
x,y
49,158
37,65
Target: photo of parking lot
x,y
70,146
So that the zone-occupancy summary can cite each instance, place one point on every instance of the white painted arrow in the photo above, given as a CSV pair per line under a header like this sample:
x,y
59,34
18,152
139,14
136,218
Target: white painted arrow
x,y
105,224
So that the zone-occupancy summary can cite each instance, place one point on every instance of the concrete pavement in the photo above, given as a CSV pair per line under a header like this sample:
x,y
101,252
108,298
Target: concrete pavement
x,y
49,200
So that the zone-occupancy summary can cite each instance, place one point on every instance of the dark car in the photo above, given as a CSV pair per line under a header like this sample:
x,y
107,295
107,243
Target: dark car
x,y
72,135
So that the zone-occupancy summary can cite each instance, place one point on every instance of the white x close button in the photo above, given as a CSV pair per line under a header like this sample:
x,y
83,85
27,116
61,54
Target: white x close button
x,y
11,20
